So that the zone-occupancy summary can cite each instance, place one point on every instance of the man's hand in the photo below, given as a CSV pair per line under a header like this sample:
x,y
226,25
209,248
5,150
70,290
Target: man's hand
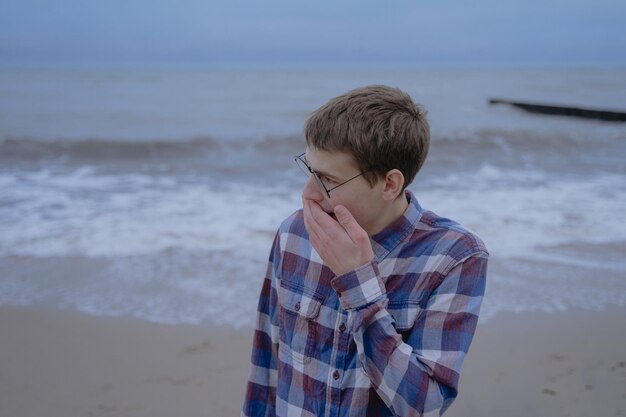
x,y
342,244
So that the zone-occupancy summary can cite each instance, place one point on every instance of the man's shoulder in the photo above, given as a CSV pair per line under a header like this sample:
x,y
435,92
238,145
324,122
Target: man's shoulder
x,y
290,234
293,224
452,238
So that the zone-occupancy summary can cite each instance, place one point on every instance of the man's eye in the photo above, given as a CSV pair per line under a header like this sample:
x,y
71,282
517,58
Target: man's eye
x,y
328,180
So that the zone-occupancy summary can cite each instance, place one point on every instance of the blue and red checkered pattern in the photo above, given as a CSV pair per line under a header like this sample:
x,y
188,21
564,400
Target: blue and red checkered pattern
x,y
387,339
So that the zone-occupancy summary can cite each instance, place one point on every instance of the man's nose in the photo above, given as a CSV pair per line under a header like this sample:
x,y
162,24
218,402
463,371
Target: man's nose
x,y
313,190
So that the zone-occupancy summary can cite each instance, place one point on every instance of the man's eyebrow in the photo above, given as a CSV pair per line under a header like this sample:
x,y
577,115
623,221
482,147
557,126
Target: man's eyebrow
x,y
322,173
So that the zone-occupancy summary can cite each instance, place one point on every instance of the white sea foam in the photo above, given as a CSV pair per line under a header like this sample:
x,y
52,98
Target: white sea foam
x,y
83,213
519,213
177,249
169,216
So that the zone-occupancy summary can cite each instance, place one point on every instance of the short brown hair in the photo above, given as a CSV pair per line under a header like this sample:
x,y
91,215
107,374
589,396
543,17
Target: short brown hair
x,y
380,126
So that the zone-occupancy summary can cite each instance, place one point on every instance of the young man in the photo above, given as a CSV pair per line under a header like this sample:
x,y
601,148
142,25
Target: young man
x,y
370,302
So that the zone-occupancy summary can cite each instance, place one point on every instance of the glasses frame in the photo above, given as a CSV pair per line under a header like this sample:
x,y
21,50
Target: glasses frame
x,y
317,175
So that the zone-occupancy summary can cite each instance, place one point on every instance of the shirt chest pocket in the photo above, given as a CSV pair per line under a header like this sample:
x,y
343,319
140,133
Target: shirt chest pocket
x,y
405,314
298,325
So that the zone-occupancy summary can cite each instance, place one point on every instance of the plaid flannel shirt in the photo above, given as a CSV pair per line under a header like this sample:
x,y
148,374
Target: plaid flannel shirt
x,y
387,339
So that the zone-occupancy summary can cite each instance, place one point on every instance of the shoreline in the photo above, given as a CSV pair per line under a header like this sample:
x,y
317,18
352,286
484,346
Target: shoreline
x,y
59,364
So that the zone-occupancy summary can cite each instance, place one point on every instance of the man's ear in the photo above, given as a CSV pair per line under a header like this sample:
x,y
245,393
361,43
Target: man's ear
x,y
394,182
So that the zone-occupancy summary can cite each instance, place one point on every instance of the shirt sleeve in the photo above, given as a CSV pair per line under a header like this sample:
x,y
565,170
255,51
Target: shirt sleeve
x,y
260,398
419,375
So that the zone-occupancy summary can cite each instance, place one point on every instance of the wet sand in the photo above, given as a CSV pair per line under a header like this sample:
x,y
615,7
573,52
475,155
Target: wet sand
x,y
60,364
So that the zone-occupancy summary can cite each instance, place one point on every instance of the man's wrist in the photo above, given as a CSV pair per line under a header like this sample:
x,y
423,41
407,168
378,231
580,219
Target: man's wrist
x,y
359,287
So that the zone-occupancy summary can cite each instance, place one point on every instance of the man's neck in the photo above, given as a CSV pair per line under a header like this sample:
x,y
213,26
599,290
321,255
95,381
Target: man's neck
x,y
394,211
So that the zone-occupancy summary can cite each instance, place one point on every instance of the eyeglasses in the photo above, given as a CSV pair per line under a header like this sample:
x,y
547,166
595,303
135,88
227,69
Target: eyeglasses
x,y
301,162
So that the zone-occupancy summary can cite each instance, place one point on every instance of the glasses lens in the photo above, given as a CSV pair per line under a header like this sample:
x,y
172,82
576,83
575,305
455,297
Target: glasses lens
x,y
303,166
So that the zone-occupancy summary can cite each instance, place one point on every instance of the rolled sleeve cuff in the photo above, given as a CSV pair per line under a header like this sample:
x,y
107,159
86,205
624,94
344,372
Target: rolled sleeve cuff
x,y
359,288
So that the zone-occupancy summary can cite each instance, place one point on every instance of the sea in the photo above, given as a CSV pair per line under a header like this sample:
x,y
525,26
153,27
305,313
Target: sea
x,y
155,193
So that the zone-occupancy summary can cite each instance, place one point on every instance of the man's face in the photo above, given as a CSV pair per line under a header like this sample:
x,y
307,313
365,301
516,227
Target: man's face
x,y
361,199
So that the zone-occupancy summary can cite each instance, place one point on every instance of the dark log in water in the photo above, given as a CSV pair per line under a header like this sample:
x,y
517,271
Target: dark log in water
x,y
611,116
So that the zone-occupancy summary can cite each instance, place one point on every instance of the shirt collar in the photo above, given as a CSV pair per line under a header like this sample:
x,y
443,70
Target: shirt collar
x,y
386,240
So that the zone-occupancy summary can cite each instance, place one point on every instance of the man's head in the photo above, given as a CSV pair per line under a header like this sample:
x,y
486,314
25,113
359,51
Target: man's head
x,y
379,126
364,148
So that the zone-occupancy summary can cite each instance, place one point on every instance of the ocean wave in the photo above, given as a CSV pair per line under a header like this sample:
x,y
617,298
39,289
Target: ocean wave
x,y
521,213
86,213
595,146
118,150
178,249
101,149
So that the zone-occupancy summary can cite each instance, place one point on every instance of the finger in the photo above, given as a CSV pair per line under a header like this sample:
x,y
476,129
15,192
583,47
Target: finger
x,y
320,222
322,218
309,222
306,211
347,220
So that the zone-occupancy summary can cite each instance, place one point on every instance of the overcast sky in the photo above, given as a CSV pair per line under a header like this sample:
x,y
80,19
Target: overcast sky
x,y
322,32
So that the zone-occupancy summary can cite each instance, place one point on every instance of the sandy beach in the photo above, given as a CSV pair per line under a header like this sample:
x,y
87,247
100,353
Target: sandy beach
x,y
57,364
61,364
